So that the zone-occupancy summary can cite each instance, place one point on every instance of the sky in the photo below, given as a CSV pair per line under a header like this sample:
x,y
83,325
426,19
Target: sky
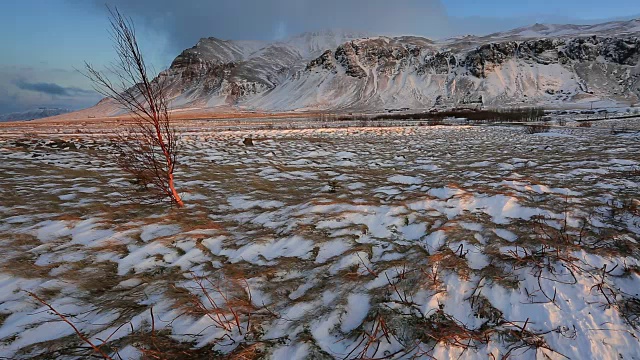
x,y
44,42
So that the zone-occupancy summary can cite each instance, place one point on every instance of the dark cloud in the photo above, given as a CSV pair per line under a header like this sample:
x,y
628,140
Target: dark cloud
x,y
47,88
50,88
184,22
24,88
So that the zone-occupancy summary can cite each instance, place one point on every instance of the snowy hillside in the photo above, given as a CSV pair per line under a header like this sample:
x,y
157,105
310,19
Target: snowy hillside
x,y
616,28
549,65
217,72
409,72
313,44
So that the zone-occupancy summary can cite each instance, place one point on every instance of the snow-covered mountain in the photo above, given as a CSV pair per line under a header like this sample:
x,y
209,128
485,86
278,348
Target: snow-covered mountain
x,y
338,70
217,72
33,114
616,28
382,72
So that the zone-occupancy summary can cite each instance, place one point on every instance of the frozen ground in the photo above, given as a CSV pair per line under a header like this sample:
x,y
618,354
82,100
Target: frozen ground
x,y
442,242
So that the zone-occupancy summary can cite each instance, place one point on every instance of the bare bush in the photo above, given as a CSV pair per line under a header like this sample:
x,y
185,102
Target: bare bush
x,y
537,128
505,115
96,348
227,302
147,148
585,124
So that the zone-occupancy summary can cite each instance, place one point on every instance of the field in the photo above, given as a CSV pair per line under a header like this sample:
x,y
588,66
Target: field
x,y
397,241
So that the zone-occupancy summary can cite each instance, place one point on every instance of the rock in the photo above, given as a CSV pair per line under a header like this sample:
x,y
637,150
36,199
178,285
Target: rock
x,y
488,56
439,63
61,144
346,56
325,61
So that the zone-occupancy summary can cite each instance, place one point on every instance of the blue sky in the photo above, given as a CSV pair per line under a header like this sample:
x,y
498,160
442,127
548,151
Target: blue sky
x,y
44,41
577,9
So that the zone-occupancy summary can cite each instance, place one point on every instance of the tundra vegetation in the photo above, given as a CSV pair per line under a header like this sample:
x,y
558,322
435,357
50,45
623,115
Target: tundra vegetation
x,y
399,241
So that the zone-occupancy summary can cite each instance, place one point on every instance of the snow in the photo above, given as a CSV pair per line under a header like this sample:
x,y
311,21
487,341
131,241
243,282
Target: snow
x,y
331,249
243,203
155,231
297,351
405,180
556,135
290,247
506,234
435,240
445,192
356,311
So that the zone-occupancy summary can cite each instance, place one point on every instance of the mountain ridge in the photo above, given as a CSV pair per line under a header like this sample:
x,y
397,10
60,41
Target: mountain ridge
x,y
538,65
33,114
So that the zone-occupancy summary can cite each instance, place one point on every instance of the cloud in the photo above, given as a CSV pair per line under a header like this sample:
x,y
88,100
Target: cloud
x,y
50,88
25,88
184,22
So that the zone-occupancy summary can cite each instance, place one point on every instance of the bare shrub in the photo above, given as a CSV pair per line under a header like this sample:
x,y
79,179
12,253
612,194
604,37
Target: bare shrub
x,y
333,186
96,348
227,302
537,128
585,124
509,114
419,333
147,148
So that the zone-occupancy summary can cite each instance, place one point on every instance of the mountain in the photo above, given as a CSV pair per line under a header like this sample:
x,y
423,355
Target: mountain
x,y
548,65
217,72
376,73
33,114
615,28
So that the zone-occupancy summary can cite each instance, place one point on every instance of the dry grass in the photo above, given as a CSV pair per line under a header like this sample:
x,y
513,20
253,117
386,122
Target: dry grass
x,y
424,271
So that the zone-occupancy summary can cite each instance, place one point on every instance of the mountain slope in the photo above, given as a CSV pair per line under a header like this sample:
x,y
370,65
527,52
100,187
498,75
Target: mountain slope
x,y
217,72
407,72
550,65
616,28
